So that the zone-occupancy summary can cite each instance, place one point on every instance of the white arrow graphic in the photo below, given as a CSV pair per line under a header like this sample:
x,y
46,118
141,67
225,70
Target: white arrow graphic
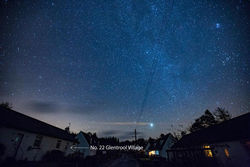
x,y
75,148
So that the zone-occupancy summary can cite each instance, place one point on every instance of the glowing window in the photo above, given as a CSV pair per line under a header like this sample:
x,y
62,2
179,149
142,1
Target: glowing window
x,y
151,153
208,152
154,152
226,152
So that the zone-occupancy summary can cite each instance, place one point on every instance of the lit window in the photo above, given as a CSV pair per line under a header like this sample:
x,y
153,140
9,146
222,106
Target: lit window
x,y
154,152
208,151
58,144
226,152
151,153
38,141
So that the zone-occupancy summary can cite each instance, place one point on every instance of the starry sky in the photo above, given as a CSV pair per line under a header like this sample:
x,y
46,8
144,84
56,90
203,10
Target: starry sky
x,y
110,66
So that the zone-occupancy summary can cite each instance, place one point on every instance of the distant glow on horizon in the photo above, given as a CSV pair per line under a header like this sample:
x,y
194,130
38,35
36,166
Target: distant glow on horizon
x,y
124,123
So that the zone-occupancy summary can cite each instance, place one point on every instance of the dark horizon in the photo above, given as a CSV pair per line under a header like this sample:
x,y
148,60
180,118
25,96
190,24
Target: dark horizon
x,y
102,66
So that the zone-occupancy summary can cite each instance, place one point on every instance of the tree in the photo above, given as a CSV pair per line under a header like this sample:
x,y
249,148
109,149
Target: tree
x,y
6,105
162,135
109,141
197,125
222,114
204,121
183,133
142,142
208,118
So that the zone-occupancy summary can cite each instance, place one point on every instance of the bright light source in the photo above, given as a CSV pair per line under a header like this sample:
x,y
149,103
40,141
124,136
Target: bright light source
x,y
226,152
151,125
208,152
151,153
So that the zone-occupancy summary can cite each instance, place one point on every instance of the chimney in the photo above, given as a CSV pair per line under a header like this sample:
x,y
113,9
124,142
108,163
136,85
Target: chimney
x,y
67,129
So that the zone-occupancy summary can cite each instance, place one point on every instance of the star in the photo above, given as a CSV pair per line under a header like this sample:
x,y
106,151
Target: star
x,y
217,25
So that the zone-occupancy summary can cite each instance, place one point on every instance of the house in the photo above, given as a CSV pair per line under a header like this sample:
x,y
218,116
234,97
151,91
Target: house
x,y
25,138
85,141
225,144
159,146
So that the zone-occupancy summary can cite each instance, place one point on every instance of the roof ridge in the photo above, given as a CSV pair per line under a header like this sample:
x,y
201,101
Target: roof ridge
x,y
27,116
13,119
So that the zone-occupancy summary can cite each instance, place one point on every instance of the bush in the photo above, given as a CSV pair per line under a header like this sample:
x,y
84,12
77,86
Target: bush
x,y
54,155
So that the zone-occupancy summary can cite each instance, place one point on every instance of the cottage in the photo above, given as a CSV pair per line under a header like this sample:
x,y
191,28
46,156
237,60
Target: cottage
x,y
224,144
159,146
26,138
85,141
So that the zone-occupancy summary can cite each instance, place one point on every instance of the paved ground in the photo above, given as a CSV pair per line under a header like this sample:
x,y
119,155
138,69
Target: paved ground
x,y
124,161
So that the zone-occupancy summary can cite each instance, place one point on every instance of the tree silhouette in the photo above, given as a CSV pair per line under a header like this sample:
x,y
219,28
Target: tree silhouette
x,y
207,119
222,114
162,135
204,121
183,133
109,141
6,105
142,142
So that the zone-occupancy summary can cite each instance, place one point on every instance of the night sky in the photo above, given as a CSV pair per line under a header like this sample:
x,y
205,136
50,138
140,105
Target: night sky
x,y
103,65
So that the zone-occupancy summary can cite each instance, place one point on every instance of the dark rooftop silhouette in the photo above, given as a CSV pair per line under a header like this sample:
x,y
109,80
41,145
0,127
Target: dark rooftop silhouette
x,y
237,128
12,119
158,143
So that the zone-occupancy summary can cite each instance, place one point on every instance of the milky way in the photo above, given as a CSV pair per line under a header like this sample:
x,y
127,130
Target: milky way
x,y
105,65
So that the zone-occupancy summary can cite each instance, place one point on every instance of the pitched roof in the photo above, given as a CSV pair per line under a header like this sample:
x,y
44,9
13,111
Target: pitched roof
x,y
16,120
237,128
90,139
87,137
158,143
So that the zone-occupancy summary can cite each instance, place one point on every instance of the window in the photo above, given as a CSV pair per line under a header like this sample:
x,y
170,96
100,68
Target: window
x,y
38,141
18,138
154,152
58,144
208,151
246,145
151,153
226,152
66,146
